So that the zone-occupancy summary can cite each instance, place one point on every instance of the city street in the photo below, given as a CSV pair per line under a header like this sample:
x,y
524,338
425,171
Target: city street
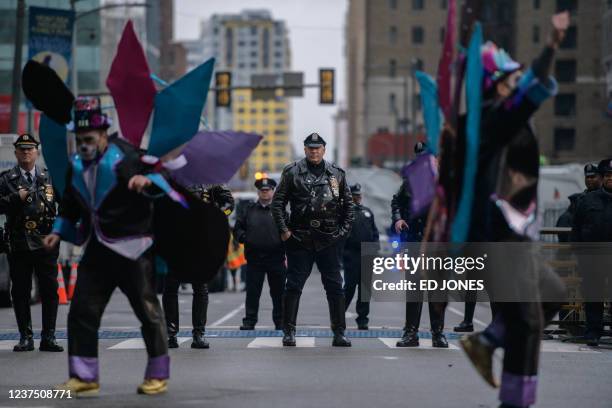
x,y
251,369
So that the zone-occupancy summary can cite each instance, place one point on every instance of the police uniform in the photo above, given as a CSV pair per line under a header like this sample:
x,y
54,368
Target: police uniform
x,y
592,222
28,222
222,198
400,210
363,230
265,256
322,212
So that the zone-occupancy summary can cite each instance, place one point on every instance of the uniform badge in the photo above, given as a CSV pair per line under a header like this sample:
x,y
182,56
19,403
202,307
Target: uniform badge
x,y
49,192
30,225
333,182
367,214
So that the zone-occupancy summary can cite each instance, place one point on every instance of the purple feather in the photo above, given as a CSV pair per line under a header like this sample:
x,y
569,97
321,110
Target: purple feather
x,y
214,157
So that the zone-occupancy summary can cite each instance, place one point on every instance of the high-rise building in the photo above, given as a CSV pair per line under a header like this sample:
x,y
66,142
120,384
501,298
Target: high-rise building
x,y
386,38
607,51
248,43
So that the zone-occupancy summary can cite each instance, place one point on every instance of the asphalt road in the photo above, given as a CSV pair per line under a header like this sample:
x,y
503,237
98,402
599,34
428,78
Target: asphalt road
x,y
250,369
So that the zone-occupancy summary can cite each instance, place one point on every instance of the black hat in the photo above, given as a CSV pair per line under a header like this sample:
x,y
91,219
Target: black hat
x,y
590,170
356,189
605,166
265,183
26,141
88,114
419,148
47,92
314,140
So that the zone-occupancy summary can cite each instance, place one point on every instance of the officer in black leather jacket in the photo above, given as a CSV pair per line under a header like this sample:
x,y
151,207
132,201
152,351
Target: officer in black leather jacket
x,y
322,212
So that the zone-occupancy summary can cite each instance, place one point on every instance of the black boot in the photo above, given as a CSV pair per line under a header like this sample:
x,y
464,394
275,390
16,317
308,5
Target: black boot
x,y
170,304
48,343
26,343
410,338
338,322
199,312
464,327
290,307
438,340
199,341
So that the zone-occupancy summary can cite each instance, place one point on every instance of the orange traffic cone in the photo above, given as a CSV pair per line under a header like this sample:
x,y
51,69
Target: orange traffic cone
x,y
61,289
73,279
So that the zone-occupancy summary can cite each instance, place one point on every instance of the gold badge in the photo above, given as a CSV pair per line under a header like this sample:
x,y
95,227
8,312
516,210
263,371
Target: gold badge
x,y
333,182
49,192
30,225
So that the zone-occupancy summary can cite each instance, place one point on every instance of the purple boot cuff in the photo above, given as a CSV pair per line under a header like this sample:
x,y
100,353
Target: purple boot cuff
x,y
158,367
83,368
519,390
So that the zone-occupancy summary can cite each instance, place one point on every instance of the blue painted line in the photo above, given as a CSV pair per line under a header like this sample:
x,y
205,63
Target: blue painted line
x,y
320,333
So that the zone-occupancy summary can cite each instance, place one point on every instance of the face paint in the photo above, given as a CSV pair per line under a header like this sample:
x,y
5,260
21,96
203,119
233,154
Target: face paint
x,y
88,151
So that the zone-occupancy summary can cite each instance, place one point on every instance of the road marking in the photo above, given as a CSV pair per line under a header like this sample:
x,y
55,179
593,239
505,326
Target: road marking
x,y
457,312
227,316
277,342
9,344
424,344
559,347
138,344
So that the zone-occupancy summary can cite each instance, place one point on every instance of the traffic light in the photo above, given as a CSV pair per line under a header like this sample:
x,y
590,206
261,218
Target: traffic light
x,y
223,94
326,86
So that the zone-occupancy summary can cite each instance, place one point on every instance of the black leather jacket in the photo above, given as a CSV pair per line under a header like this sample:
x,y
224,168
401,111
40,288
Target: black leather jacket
x,y
322,208
593,218
27,222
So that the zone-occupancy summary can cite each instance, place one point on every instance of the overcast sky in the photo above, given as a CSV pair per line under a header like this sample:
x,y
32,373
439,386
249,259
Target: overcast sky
x,y
316,35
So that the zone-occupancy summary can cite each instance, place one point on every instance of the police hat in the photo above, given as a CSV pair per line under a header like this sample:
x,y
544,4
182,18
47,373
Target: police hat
x,y
590,170
605,166
265,183
314,140
26,141
356,189
419,148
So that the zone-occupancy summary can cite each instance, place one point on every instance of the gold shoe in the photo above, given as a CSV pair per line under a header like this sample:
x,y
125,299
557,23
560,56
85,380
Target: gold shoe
x,y
153,386
481,357
80,388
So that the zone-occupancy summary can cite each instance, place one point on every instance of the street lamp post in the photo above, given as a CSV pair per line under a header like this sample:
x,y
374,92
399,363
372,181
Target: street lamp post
x,y
16,86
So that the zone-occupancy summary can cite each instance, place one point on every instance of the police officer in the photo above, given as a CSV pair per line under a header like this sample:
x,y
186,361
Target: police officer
x,y
221,196
265,254
592,182
593,223
364,230
411,230
322,212
28,201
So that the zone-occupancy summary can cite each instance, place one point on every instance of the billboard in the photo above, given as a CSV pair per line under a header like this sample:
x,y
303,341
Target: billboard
x,y
50,38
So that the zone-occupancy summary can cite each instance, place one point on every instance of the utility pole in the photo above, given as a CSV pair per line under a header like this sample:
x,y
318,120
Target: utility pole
x,y
16,89
73,65
413,114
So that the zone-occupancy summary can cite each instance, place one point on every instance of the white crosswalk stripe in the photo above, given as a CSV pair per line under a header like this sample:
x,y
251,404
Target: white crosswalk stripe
x,y
137,344
424,344
276,342
559,347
